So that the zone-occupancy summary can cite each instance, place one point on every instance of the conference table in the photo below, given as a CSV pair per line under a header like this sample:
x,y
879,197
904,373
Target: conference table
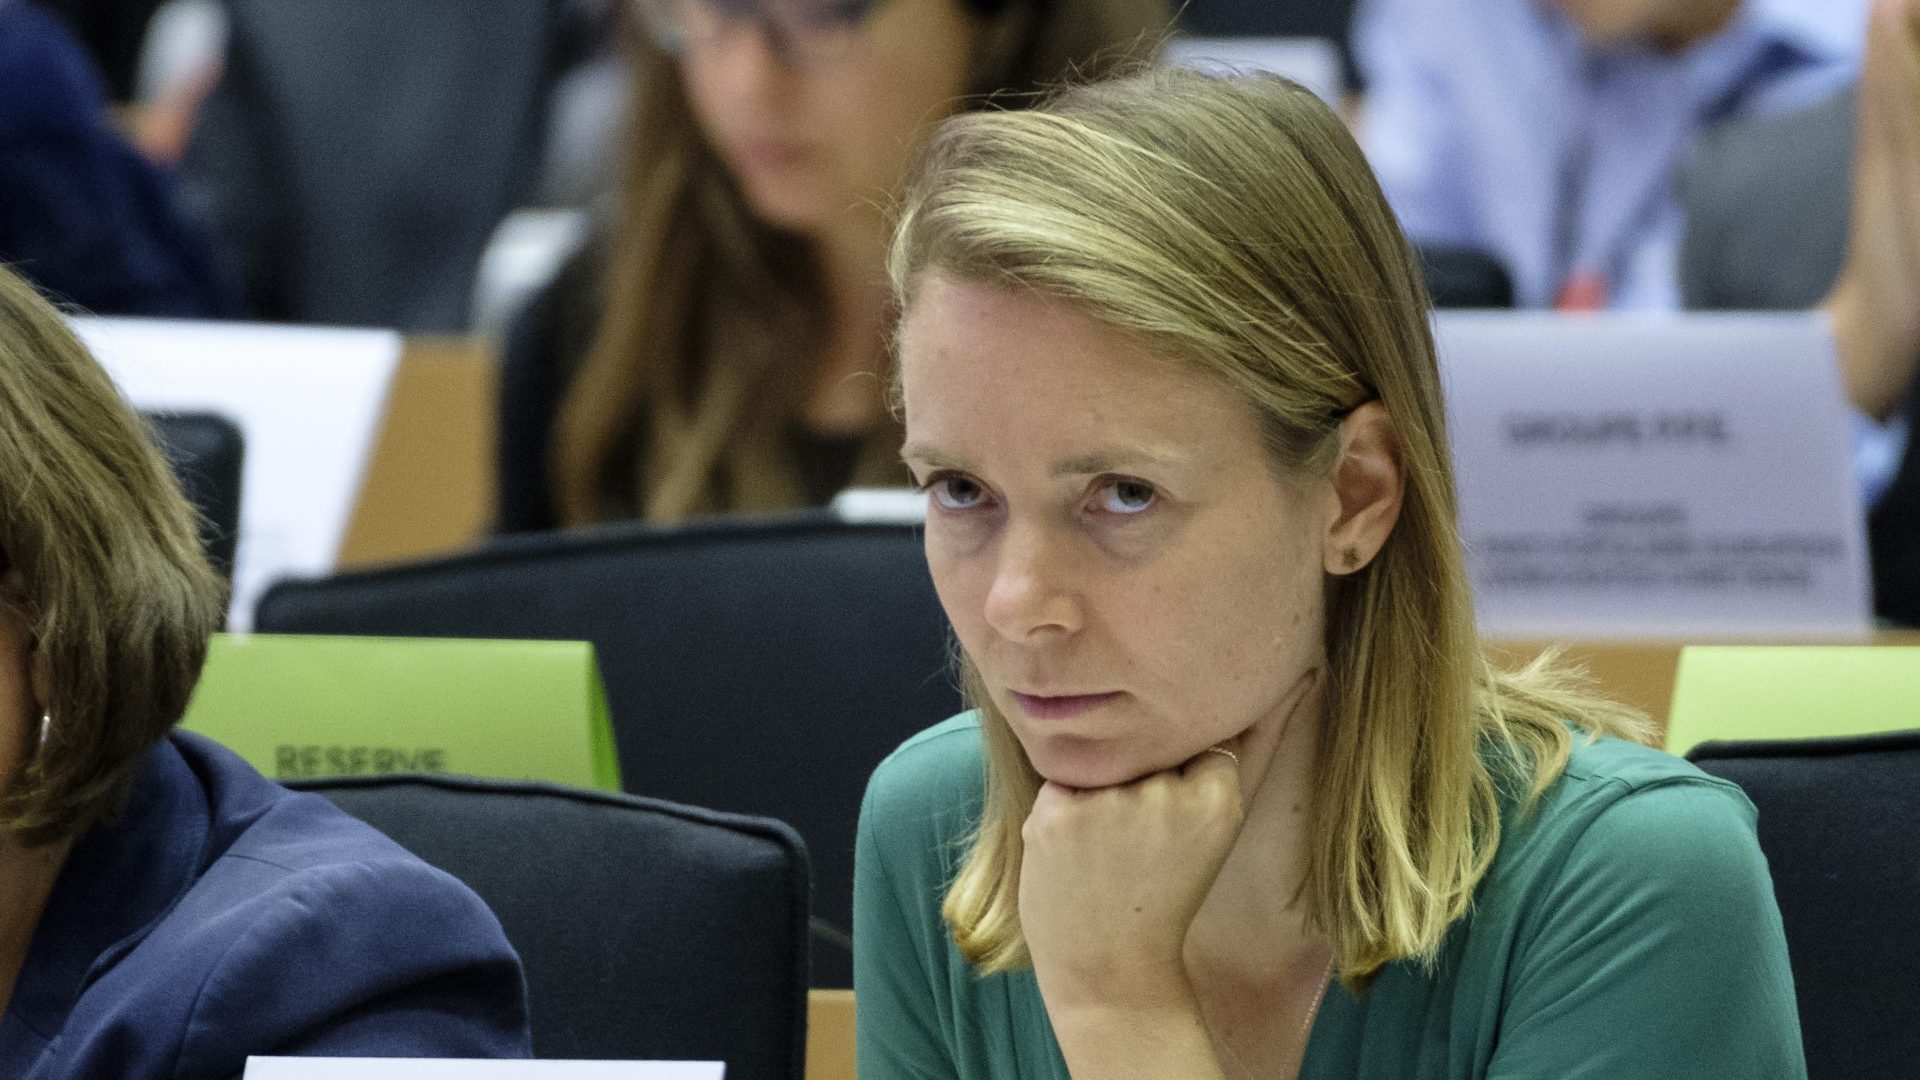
x,y
428,490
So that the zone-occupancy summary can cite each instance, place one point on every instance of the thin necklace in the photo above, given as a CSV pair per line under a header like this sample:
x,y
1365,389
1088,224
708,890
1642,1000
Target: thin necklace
x,y
1313,1010
1301,1037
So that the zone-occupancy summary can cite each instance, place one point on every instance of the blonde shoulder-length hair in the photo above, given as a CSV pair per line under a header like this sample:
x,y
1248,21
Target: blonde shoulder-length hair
x,y
1233,224
710,318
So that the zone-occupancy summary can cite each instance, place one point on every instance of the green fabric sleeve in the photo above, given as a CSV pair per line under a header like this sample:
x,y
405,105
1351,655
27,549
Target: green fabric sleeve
x,y
1664,954
904,853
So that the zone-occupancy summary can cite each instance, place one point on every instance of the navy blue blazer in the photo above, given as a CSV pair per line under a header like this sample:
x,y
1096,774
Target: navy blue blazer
x,y
223,915
82,214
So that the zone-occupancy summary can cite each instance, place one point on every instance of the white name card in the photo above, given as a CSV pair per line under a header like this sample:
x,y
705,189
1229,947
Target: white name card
x,y
308,403
884,506
1655,476
271,1068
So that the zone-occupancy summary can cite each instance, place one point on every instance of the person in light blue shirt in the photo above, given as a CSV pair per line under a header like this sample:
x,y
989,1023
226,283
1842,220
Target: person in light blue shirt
x,y
1546,133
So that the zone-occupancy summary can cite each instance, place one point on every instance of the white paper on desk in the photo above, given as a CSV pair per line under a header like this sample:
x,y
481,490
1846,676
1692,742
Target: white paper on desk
x,y
308,402
1655,476
266,1068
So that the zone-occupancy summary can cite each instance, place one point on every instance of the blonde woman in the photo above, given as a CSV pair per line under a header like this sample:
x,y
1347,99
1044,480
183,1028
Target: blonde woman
x,y
1240,797
723,347
166,911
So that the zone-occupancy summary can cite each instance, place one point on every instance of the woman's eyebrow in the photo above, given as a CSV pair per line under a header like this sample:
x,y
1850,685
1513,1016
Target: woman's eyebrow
x,y
1093,462
1114,459
931,456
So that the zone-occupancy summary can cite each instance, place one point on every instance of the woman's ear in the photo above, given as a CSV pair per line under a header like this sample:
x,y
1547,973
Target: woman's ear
x,y
1369,482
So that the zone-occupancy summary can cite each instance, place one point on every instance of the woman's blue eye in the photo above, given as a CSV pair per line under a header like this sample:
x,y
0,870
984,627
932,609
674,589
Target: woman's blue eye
x,y
1126,497
955,492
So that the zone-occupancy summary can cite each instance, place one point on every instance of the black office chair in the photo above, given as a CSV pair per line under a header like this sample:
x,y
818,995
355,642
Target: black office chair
x,y
357,154
1330,19
206,451
1838,825
648,930
759,666
1893,535
1464,278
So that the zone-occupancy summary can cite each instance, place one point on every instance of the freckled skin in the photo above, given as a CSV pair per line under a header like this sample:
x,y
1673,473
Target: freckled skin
x,y
1194,610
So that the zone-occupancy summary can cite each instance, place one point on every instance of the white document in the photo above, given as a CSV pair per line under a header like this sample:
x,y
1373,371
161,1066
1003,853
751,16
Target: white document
x,y
884,506
308,402
1310,61
1655,476
266,1068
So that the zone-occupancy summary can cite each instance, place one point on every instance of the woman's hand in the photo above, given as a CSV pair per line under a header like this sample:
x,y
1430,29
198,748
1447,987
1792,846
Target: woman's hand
x,y
1112,878
1876,303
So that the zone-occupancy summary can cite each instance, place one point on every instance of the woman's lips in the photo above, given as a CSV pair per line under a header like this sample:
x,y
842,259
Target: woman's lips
x,y
1060,707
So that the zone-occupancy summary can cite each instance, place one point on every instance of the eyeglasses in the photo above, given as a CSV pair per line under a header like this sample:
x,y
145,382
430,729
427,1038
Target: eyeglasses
x,y
806,33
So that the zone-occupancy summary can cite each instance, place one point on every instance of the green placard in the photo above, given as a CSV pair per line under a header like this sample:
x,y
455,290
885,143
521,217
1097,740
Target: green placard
x,y
298,706
1792,692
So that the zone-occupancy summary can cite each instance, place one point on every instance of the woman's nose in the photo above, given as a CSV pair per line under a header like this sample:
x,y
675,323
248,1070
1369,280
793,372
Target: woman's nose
x,y
1031,596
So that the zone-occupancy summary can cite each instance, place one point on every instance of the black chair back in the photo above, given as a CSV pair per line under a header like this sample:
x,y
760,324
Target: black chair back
x,y
648,930
1268,18
758,666
206,451
1464,278
357,154
1330,19
1840,825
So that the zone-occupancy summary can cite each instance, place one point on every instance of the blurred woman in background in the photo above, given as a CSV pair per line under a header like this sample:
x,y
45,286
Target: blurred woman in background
x,y
722,346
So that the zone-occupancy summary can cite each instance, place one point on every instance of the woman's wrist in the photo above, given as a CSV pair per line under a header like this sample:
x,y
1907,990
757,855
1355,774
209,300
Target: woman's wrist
x,y
1155,990
1144,1038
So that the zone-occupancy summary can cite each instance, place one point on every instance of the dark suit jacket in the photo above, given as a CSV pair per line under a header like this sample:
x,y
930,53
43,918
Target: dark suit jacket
x,y
222,915
82,215
113,31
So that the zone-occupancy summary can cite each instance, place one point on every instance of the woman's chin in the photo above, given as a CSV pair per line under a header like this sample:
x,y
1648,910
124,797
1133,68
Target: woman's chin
x,y
1091,768
787,209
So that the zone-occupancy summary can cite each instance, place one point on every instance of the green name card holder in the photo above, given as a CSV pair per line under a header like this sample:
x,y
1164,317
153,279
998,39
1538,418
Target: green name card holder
x,y
296,706
1764,692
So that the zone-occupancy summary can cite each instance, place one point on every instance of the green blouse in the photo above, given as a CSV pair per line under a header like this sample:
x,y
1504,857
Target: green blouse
x,y
1627,929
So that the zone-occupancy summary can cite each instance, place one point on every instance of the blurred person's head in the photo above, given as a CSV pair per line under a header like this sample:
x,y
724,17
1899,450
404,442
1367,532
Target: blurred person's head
x,y
106,601
815,107
761,130
1664,24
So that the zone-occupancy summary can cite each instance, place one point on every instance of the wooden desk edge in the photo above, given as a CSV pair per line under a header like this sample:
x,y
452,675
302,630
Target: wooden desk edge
x,y
428,485
830,1043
